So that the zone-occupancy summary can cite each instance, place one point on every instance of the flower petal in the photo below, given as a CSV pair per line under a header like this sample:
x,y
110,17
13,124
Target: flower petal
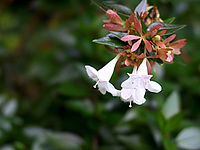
x,y
169,39
142,70
111,89
105,73
102,87
92,72
136,45
148,45
113,27
126,93
153,86
138,25
129,37
139,96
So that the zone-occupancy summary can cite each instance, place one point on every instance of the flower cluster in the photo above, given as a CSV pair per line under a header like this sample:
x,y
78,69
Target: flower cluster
x,y
145,40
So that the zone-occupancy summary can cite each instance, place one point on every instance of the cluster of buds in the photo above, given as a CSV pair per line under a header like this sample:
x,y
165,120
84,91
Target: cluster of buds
x,y
145,43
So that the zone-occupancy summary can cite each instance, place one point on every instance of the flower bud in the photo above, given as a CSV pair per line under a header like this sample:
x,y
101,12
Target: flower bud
x,y
114,17
157,37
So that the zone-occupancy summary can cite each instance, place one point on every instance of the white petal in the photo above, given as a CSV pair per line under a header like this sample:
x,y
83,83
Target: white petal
x,y
102,87
111,89
128,84
142,70
92,72
106,72
153,86
139,96
126,93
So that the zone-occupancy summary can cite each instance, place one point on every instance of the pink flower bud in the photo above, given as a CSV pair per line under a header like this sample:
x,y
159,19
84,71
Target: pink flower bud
x,y
114,17
113,27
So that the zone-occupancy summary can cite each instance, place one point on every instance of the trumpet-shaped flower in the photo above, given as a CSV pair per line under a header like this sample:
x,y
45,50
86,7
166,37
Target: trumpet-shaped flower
x,y
103,76
134,88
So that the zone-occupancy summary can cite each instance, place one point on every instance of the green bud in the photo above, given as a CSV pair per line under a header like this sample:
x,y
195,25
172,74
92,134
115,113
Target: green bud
x,y
157,37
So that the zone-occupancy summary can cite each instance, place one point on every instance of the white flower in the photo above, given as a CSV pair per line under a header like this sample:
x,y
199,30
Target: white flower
x,y
134,88
103,76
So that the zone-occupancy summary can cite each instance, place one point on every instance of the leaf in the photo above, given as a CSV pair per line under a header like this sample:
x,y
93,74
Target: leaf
x,y
121,9
119,35
70,88
110,40
161,121
189,138
169,20
64,141
173,122
172,105
169,145
85,107
141,7
171,28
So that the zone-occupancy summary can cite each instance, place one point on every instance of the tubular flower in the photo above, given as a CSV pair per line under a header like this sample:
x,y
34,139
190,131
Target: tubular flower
x,y
103,76
140,42
134,88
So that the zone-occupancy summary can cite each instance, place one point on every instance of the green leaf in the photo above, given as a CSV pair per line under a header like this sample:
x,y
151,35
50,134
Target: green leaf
x,y
168,144
173,122
85,107
70,88
119,35
110,40
189,138
171,28
169,20
161,121
172,105
121,9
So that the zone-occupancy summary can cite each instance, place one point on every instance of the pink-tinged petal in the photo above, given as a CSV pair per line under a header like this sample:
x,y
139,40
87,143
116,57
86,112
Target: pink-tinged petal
x,y
149,68
113,27
153,30
128,61
148,45
114,17
107,21
138,25
178,44
130,37
136,45
161,33
161,44
176,51
130,20
169,39
169,57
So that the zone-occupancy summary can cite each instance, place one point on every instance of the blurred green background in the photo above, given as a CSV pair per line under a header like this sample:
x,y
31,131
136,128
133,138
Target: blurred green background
x,y
47,101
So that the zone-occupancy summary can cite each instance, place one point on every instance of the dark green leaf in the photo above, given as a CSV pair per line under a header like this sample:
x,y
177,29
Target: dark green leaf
x,y
161,121
110,40
173,122
171,28
189,138
170,20
121,9
83,106
168,144
119,35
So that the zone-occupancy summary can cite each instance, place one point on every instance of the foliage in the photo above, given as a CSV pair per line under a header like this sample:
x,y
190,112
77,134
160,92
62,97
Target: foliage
x,y
47,101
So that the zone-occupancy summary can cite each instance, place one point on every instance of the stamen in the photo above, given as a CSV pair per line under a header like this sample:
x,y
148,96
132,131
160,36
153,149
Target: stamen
x,y
130,104
95,86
